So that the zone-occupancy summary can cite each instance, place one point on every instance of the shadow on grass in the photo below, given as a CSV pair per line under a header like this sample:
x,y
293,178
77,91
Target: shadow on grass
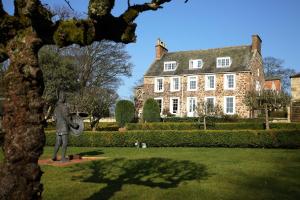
x,y
153,172
91,153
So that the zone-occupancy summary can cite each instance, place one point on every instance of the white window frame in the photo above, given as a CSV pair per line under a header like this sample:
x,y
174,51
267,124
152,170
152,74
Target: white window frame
x,y
223,58
162,103
171,105
207,88
225,105
188,83
226,82
172,89
170,62
156,84
188,106
193,64
210,97
258,86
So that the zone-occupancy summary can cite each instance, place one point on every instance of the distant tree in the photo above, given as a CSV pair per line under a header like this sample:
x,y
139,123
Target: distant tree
x,y
124,112
151,111
97,102
266,100
60,72
274,67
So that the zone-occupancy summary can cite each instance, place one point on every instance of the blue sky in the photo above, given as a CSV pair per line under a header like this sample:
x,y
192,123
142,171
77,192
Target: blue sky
x,y
202,24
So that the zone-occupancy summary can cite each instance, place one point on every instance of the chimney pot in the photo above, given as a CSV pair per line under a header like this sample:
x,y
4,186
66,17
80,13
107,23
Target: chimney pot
x,y
160,49
256,43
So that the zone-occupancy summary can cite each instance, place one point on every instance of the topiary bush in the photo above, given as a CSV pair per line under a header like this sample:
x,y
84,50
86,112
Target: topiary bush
x,y
124,112
151,111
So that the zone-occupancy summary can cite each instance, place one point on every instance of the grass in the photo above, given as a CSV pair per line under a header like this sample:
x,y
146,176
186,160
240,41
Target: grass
x,y
176,173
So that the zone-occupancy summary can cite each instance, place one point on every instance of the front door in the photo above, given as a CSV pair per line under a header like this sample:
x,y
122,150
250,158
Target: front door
x,y
191,106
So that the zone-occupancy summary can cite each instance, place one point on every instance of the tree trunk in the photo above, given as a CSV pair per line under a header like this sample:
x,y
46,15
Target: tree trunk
x,y
204,122
267,118
23,120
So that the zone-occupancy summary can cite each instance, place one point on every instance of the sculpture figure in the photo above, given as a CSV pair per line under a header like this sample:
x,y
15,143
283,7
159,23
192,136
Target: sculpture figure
x,y
63,123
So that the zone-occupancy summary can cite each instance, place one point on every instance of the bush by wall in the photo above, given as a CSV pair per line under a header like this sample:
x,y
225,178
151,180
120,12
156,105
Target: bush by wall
x,y
124,112
212,138
151,111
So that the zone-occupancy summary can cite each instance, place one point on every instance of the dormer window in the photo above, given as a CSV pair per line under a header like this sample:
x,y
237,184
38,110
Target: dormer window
x,y
223,62
196,64
170,66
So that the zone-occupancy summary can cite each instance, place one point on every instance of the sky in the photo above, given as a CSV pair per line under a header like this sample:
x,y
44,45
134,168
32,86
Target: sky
x,y
203,24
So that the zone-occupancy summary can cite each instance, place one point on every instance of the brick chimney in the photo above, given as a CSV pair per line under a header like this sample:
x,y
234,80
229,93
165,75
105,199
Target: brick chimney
x,y
256,43
160,49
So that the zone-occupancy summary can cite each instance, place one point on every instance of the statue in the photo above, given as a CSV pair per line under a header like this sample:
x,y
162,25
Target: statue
x,y
64,122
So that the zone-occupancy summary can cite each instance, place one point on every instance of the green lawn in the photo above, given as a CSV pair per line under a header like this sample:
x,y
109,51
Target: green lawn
x,y
177,173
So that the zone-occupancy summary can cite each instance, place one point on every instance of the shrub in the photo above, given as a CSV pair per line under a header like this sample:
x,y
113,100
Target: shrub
x,y
197,138
151,111
107,126
124,112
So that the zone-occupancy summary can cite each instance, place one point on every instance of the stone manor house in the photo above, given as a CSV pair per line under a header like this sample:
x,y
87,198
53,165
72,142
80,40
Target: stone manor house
x,y
220,76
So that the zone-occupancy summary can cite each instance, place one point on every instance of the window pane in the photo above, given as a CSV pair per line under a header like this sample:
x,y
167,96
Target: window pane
x,y
230,81
229,105
159,101
175,105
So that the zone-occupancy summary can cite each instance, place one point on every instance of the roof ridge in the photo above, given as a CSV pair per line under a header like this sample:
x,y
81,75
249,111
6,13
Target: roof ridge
x,y
210,49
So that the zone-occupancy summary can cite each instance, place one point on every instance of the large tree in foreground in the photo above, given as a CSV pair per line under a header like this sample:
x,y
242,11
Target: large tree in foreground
x,y
21,37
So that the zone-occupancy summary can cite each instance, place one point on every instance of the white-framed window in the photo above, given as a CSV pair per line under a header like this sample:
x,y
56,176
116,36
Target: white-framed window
x,y
210,104
174,105
223,62
191,106
159,84
257,86
196,64
192,83
175,84
210,82
170,66
229,81
229,105
159,100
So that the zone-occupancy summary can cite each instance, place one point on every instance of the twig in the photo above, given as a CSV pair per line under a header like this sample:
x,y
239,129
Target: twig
x,y
68,2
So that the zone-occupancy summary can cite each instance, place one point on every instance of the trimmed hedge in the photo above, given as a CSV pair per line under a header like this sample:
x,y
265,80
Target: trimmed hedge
x,y
212,138
124,112
217,126
151,111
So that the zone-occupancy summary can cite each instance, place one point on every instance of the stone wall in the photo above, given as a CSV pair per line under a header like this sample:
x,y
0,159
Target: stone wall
x,y
295,88
243,84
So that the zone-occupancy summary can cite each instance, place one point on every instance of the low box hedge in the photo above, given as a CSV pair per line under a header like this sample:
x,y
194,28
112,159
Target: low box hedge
x,y
197,138
216,126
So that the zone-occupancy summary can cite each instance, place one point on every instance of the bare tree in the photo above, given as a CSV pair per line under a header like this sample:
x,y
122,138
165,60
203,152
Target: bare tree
x,y
207,109
266,100
274,67
21,36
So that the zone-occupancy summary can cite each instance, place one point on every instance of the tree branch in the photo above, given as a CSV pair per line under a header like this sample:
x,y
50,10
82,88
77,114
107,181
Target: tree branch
x,y
68,2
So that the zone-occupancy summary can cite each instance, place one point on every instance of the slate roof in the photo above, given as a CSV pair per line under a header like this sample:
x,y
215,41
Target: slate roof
x,y
240,57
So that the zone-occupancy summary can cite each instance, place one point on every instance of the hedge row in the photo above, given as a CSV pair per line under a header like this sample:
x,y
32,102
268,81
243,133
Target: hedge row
x,y
218,119
216,126
213,138
102,126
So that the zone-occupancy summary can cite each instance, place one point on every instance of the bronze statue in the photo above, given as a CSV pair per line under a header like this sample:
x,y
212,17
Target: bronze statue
x,y
63,124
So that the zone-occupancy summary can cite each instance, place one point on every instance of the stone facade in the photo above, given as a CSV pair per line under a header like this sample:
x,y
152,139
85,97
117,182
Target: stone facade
x,y
295,87
250,79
